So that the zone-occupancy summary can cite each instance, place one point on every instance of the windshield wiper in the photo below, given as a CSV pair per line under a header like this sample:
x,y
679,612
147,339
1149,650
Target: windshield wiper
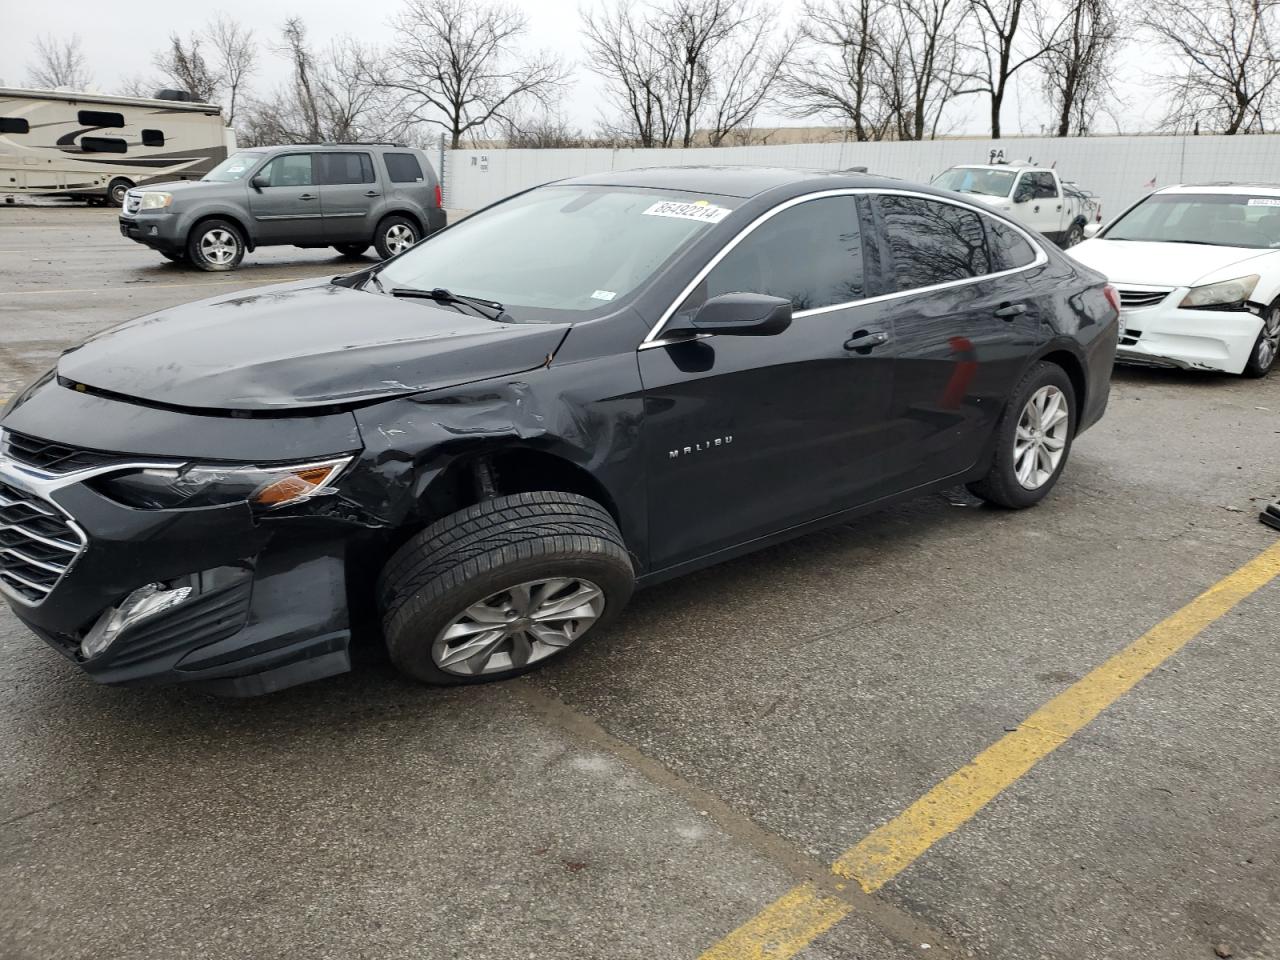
x,y
489,309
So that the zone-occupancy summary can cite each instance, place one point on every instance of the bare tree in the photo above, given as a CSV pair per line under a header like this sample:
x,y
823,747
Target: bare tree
x,y
672,66
923,63
330,97
237,57
1010,35
58,63
456,66
838,74
544,131
183,64
1076,71
1227,62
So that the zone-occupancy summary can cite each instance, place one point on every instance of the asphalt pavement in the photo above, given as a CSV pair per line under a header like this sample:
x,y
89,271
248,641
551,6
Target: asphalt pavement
x,y
697,769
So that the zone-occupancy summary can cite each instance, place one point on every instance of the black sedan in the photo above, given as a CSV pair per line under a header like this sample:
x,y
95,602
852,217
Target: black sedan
x,y
488,442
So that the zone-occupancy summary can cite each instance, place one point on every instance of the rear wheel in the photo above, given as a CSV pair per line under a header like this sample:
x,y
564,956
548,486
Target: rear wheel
x,y
395,235
1267,347
351,250
494,590
1032,440
117,189
1075,233
215,245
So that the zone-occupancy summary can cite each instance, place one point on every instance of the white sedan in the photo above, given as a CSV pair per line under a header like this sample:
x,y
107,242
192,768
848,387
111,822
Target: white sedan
x,y
1198,270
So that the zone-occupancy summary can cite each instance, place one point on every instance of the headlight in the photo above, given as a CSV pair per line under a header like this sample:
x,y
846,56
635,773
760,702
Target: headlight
x,y
210,485
1225,293
156,200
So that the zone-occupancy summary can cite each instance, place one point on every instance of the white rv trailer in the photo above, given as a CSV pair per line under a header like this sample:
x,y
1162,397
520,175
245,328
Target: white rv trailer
x,y
59,143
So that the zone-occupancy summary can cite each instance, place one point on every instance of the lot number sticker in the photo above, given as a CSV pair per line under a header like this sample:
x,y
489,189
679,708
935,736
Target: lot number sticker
x,y
1264,202
701,211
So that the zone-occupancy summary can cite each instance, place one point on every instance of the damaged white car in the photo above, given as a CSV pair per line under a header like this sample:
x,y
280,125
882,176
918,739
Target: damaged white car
x,y
1198,270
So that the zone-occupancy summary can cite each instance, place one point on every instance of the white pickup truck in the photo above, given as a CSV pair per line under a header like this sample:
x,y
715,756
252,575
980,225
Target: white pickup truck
x,y
1034,195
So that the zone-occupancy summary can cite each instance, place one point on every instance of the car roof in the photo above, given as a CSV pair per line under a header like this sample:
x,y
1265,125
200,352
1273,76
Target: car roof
x,y
732,181
1223,186
285,147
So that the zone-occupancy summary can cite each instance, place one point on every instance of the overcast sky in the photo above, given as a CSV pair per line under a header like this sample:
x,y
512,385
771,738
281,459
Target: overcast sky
x,y
119,39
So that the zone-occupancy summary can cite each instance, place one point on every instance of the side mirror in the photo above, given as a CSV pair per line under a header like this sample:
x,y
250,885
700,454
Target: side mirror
x,y
1022,194
259,181
1092,230
740,315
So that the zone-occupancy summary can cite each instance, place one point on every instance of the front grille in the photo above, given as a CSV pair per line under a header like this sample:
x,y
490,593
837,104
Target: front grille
x,y
53,457
1141,298
37,544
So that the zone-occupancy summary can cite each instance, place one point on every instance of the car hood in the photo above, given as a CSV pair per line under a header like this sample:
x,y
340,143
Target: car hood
x,y
1163,264
305,344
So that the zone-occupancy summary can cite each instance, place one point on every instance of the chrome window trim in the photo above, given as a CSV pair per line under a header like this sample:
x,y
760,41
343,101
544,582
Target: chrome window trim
x,y
652,338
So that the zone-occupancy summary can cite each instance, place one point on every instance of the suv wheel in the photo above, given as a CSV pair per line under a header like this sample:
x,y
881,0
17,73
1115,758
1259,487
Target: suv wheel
x,y
1267,347
215,245
395,235
1033,439
494,590
117,189
351,250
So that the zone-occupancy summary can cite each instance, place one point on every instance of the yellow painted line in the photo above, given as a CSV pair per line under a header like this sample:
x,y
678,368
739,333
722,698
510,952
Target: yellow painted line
x,y
788,925
144,285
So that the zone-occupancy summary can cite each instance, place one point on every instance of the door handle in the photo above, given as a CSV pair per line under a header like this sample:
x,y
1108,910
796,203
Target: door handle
x,y
864,341
306,196
1007,311
372,193
1059,207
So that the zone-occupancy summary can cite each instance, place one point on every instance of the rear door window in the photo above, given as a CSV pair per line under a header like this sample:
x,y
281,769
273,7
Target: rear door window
x,y
403,167
289,170
1009,248
932,242
810,254
336,168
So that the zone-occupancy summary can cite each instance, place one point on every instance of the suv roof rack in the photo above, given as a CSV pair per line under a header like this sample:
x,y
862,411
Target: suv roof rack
x,y
349,143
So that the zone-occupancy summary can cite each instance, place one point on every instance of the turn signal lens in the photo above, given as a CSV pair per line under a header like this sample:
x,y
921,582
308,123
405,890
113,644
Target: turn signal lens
x,y
298,485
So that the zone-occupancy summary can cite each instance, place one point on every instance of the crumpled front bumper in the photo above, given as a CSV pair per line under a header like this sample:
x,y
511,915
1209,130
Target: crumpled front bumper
x,y
267,606
1164,335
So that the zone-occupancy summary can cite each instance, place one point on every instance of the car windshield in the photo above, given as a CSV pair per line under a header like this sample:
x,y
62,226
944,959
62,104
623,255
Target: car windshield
x,y
991,183
234,167
557,248
1219,219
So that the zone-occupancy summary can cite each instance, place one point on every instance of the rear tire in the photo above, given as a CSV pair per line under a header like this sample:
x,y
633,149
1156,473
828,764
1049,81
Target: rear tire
x,y
466,571
1030,456
1074,235
215,245
394,235
351,250
117,189
1266,348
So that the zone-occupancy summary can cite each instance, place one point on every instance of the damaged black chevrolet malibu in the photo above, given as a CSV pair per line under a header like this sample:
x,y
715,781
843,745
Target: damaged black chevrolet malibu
x,y
488,442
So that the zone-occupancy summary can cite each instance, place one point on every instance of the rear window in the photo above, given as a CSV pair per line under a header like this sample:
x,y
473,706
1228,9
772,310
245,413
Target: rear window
x,y
1009,249
933,242
100,118
345,168
103,145
14,125
403,167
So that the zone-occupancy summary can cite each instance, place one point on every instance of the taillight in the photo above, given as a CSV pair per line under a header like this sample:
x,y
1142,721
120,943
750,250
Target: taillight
x,y
1113,296
439,196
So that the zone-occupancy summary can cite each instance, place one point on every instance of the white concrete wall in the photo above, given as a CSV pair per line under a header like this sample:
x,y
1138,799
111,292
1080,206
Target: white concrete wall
x,y
1117,169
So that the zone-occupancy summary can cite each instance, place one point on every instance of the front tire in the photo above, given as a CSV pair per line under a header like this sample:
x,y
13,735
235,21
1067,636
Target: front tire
x,y
395,235
1033,440
1267,347
496,589
215,245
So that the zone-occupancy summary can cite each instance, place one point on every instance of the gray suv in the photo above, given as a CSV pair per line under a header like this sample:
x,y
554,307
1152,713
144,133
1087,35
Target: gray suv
x,y
345,196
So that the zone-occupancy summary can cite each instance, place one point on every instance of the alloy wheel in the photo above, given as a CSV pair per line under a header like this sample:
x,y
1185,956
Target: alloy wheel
x,y
1269,341
399,237
219,246
518,626
1041,438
